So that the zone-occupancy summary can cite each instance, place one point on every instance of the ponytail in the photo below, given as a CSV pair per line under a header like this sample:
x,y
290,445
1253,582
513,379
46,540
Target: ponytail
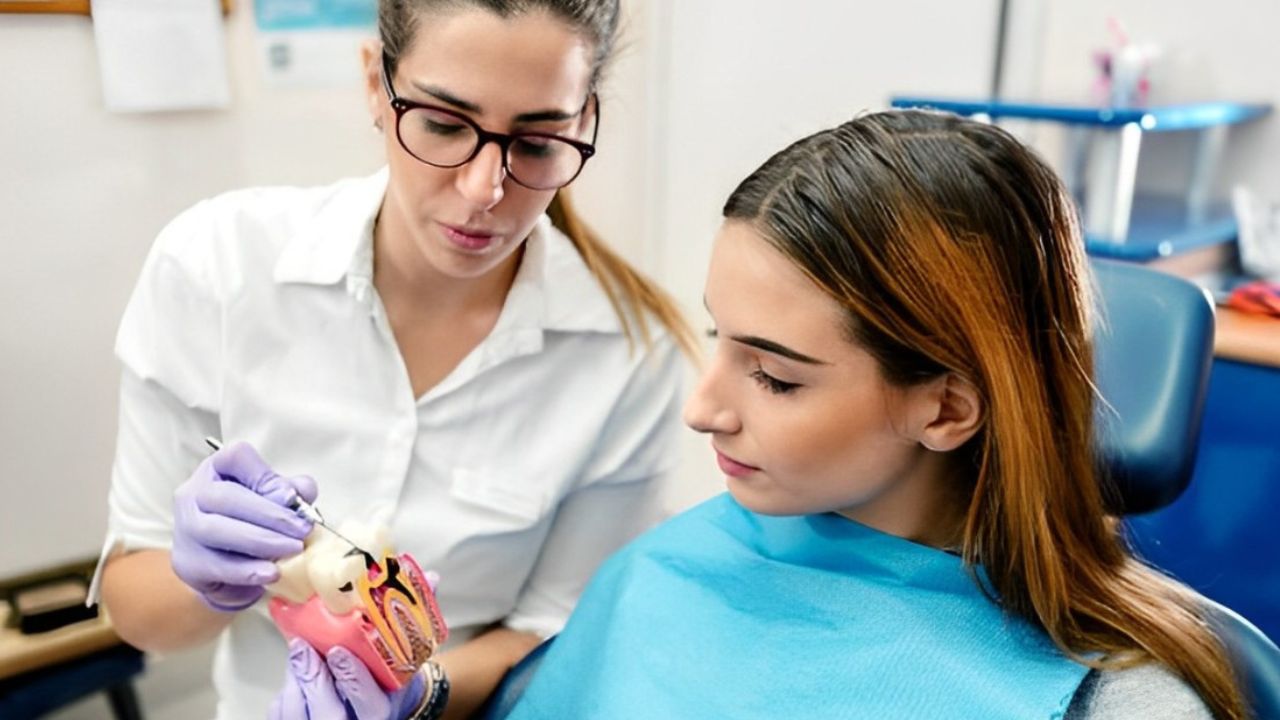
x,y
634,297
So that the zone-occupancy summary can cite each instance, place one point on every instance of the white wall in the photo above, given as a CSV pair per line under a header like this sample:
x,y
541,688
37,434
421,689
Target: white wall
x,y
740,80
701,92
83,193
1221,50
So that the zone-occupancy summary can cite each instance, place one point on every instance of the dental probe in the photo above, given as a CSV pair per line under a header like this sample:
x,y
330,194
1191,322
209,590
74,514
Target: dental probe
x,y
305,510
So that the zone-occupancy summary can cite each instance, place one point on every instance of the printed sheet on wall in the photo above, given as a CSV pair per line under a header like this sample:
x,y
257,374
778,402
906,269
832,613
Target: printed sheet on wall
x,y
313,43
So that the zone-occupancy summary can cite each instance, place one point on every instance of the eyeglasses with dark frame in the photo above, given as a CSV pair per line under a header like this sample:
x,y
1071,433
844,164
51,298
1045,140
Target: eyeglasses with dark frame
x,y
444,138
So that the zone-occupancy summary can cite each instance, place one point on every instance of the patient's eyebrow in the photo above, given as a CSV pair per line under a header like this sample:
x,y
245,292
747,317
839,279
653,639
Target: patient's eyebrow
x,y
767,345
776,348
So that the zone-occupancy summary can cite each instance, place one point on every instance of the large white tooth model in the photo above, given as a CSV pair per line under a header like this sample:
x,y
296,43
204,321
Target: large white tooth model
x,y
381,607
327,564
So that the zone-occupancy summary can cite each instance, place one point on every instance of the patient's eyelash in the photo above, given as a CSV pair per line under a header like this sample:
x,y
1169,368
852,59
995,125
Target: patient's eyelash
x,y
767,381
771,383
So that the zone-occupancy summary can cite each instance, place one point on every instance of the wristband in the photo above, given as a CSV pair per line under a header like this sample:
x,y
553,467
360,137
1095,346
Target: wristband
x,y
437,697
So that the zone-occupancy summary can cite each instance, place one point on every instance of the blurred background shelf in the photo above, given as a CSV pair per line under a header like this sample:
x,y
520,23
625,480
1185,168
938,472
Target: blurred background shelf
x,y
1101,170
1165,118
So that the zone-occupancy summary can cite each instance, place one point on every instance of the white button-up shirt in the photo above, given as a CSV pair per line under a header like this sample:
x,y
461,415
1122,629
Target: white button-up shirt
x,y
544,450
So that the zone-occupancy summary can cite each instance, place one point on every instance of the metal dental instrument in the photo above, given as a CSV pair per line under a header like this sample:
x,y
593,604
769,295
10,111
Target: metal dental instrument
x,y
307,511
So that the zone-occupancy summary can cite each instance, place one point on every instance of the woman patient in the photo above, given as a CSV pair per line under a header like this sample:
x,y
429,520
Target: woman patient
x,y
901,402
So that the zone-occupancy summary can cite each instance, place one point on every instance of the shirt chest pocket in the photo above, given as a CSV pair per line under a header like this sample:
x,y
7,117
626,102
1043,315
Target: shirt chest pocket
x,y
499,501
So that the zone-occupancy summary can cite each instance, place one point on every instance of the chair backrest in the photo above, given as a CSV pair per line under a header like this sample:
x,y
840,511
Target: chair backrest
x,y
1154,350
1256,660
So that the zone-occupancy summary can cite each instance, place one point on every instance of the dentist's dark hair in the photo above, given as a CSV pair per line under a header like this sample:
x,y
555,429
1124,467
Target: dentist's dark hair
x,y
595,20
954,249
634,297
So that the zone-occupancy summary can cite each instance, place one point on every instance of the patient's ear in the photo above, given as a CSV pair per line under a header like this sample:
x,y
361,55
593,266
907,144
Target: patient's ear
x,y
955,412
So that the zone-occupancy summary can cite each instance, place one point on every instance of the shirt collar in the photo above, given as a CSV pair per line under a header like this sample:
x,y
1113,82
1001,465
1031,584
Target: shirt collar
x,y
325,246
553,288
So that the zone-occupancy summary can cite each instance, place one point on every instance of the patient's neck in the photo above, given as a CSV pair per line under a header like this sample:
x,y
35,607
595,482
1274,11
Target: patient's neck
x,y
927,505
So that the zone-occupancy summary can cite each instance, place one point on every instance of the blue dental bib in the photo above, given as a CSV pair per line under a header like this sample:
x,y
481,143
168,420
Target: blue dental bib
x,y
723,613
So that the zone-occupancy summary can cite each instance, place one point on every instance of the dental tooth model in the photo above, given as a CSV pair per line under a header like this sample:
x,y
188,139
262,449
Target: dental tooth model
x,y
383,609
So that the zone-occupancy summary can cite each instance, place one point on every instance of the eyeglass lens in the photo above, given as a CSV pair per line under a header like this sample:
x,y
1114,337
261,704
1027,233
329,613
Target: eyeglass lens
x,y
440,138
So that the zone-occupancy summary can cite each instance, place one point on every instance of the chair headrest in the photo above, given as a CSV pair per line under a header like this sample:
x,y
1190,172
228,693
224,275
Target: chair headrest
x,y
1153,350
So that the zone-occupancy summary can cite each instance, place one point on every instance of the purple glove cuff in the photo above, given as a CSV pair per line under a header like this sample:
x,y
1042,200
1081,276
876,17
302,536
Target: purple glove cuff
x,y
208,601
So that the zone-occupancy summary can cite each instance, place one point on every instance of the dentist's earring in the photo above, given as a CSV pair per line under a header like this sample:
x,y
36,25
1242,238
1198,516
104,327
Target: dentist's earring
x,y
377,125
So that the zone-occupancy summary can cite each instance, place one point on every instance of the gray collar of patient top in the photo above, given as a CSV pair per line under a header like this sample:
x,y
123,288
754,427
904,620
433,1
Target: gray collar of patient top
x,y
553,289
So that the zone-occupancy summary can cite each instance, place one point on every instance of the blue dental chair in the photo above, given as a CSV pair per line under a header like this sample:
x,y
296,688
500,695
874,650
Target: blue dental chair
x,y
1153,350
1153,354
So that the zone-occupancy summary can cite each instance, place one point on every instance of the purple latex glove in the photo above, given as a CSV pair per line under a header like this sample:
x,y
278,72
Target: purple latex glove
x,y
339,687
230,522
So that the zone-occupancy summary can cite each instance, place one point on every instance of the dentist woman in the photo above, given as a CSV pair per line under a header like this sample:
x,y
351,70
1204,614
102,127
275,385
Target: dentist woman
x,y
443,337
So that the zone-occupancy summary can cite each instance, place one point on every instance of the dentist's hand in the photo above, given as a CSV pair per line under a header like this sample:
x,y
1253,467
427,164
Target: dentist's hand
x,y
325,688
231,521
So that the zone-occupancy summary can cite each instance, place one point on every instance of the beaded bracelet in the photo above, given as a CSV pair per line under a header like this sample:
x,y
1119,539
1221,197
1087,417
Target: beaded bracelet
x,y
433,704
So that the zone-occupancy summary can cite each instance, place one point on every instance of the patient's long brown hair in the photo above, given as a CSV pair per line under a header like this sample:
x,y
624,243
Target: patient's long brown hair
x,y
954,249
